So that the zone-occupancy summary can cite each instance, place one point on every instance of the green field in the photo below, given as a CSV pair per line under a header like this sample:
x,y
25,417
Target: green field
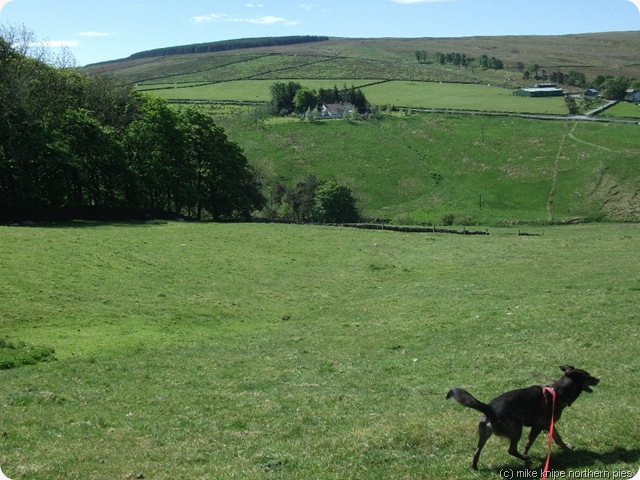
x,y
245,351
238,91
460,96
623,110
407,94
422,167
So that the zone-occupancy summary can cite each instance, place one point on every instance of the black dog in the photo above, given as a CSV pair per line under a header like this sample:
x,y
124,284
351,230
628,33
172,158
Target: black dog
x,y
531,407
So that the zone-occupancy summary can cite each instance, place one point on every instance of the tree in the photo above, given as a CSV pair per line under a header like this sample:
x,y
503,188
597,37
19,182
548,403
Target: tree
x,y
615,88
69,141
155,150
282,95
534,69
300,199
571,104
305,99
224,184
334,203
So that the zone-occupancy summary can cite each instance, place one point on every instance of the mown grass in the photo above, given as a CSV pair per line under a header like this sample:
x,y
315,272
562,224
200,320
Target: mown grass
x,y
279,351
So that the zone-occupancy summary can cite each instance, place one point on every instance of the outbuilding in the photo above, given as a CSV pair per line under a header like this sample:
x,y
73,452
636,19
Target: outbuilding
x,y
633,96
540,92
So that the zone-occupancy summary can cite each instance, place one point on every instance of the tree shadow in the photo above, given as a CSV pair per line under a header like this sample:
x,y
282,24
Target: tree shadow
x,y
577,459
80,224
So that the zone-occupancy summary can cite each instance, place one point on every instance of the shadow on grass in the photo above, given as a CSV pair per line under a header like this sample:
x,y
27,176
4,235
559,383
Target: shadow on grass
x,y
577,459
96,224
586,458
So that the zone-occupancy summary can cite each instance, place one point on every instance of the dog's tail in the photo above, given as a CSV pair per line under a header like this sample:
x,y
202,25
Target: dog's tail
x,y
465,398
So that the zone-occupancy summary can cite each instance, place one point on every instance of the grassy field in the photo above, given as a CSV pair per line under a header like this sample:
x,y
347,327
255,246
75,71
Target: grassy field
x,y
422,167
623,110
239,91
460,96
246,351
406,94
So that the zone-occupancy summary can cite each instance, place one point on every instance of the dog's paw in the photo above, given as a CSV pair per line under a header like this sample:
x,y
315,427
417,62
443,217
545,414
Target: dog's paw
x,y
526,458
568,447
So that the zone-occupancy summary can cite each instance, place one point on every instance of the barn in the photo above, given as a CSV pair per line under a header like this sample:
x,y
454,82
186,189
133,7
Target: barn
x,y
540,90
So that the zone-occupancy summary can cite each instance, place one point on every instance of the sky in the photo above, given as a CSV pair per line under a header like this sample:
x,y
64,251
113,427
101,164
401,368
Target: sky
x,y
101,30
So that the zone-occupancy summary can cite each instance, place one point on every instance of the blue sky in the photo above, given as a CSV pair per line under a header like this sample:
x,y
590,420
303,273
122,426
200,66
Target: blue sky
x,y
105,30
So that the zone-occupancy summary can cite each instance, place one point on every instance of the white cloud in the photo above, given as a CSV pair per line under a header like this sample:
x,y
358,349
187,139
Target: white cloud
x,y
95,34
306,6
223,17
268,20
254,5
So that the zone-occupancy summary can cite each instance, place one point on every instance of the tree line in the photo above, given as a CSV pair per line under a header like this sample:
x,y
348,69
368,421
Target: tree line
x,y
73,143
226,45
288,97
610,87
313,200
458,59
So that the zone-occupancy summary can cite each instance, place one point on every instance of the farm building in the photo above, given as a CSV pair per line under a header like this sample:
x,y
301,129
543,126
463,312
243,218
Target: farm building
x,y
633,96
591,93
335,109
540,90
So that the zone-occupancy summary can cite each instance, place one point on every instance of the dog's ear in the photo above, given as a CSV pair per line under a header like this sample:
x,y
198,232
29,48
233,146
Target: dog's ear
x,y
565,368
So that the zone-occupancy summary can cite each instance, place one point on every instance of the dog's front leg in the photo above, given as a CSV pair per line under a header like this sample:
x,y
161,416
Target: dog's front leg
x,y
558,439
533,434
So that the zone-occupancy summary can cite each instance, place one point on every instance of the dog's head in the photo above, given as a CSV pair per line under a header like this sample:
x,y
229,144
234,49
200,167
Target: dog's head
x,y
583,379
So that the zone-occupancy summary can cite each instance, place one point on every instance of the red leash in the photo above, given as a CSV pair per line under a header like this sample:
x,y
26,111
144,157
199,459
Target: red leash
x,y
553,413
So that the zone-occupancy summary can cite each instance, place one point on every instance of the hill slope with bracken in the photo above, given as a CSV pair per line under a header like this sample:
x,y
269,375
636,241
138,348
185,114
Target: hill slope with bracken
x,y
613,53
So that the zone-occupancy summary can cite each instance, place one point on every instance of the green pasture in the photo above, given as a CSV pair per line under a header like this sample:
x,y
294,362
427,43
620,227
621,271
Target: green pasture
x,y
454,96
238,91
623,110
256,351
483,170
451,96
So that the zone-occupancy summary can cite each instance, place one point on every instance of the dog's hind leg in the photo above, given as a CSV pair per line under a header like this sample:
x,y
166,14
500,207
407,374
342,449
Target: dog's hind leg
x,y
558,439
513,446
484,432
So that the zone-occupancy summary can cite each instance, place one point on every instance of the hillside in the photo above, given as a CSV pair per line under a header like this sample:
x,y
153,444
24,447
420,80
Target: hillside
x,y
612,53
477,169
425,168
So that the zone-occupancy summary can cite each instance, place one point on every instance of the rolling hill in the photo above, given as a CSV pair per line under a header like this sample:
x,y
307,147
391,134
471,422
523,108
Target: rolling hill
x,y
475,169
612,53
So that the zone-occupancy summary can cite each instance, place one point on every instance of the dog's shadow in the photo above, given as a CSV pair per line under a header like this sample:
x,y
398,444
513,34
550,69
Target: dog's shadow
x,y
584,459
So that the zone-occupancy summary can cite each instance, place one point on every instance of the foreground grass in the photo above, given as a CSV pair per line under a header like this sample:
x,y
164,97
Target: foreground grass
x,y
266,351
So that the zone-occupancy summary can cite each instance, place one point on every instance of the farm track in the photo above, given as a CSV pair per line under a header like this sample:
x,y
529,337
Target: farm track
x,y
556,168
